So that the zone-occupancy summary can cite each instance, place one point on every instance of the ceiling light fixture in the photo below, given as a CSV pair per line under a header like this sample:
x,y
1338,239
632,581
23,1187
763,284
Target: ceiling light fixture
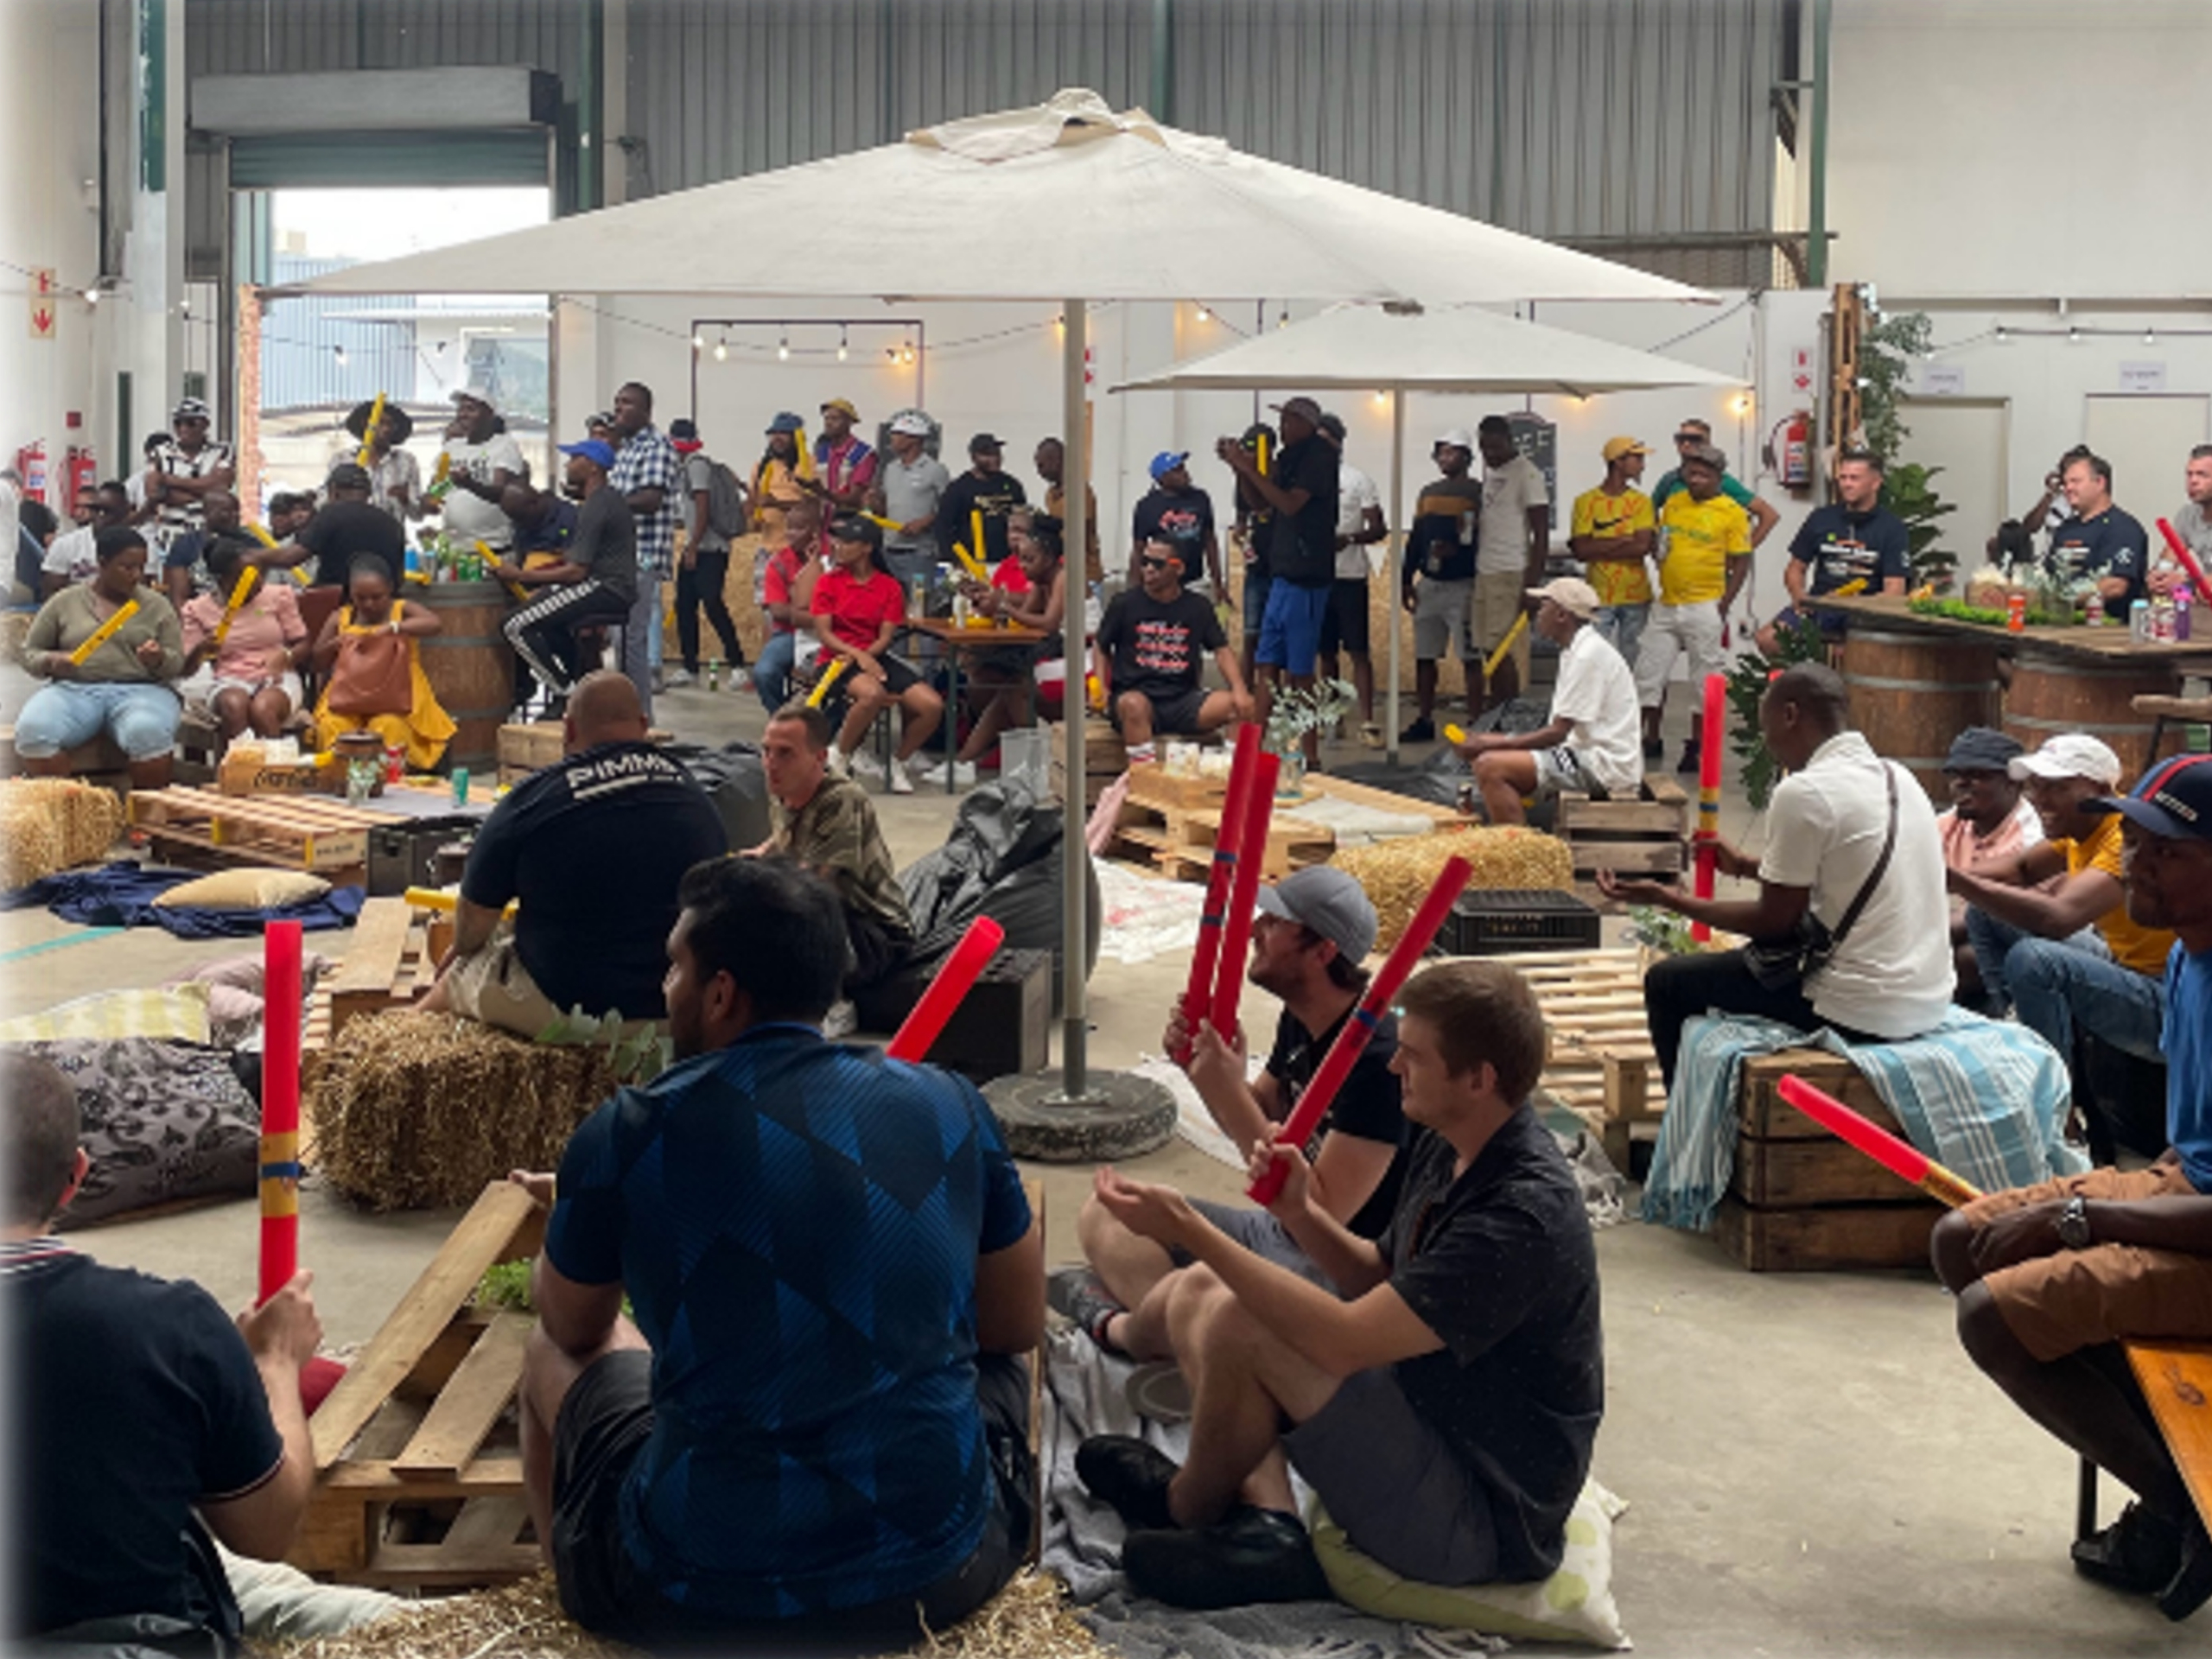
x,y
721,349
842,343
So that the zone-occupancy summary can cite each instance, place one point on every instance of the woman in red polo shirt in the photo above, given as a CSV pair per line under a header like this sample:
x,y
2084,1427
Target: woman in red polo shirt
x,y
857,607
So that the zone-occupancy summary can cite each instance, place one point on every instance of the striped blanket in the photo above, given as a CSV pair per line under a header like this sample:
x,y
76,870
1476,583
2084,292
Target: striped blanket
x,y
1985,1099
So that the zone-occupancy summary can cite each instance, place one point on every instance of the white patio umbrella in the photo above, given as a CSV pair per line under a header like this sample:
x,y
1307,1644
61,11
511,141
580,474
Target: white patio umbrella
x,y
882,224
1397,348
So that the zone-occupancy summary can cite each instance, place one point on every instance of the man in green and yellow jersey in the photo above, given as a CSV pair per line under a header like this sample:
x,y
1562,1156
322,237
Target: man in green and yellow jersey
x,y
1613,534
1705,553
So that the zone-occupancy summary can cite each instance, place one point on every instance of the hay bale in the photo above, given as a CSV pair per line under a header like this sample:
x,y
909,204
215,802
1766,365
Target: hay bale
x,y
416,1111
1028,1619
1397,874
53,823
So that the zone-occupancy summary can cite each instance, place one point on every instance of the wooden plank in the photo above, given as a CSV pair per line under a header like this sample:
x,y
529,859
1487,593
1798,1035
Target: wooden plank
x,y
1622,818
437,1567
374,1480
2177,1379
379,938
471,1401
485,1236
1660,787
1848,1235
1628,857
1379,800
498,1520
391,1428
1792,1174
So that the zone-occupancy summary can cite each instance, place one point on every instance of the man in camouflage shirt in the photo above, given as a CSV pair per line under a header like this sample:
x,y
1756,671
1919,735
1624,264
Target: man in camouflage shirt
x,y
827,823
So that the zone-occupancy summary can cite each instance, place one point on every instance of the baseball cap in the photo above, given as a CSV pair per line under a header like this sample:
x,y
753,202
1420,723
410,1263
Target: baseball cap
x,y
983,442
1458,436
852,527
684,434
1167,461
1711,454
2070,755
914,424
597,451
786,422
477,392
1616,448
1329,902
347,475
843,406
1304,407
2173,799
191,409
1571,594
1978,749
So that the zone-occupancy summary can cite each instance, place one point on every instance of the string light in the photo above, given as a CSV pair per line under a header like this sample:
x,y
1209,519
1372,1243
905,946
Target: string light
x,y
1204,315
2073,336
1283,321
2150,336
906,355
890,354
721,349
784,349
2004,338
340,352
1381,398
840,342
698,342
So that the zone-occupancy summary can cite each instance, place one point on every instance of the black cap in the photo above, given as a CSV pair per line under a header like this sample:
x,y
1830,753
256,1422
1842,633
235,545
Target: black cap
x,y
2173,799
683,432
347,475
1978,749
852,527
983,440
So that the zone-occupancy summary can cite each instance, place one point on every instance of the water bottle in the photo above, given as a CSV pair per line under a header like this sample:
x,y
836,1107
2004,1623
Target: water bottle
x,y
2184,602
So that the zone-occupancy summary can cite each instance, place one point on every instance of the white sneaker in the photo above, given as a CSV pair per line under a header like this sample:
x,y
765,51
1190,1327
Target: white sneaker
x,y
861,763
842,1021
902,781
676,678
963,773
836,762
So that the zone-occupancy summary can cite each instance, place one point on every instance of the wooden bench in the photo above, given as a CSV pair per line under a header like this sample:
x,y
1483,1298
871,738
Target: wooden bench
x,y
2176,1377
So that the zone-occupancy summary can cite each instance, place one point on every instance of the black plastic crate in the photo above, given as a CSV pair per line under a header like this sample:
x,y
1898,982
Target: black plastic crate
x,y
1491,922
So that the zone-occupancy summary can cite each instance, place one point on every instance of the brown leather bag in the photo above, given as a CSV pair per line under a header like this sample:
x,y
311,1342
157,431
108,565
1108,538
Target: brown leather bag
x,y
374,673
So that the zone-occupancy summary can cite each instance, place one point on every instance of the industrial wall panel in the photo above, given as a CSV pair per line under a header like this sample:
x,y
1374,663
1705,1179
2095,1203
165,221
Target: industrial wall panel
x,y
244,37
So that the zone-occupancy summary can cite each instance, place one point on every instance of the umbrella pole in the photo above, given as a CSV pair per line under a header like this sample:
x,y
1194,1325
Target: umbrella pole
x,y
1075,856
1395,543
1078,1116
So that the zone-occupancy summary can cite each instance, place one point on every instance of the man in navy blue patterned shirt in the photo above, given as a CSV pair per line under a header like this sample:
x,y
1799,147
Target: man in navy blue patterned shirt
x,y
817,1427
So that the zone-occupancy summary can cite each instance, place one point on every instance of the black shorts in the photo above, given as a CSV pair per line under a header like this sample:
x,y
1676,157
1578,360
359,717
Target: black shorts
x,y
899,676
1257,583
1174,715
605,1423
1343,625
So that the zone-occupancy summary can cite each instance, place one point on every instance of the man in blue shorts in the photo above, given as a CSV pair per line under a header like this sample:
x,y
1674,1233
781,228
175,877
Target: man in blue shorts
x,y
1299,489
817,1429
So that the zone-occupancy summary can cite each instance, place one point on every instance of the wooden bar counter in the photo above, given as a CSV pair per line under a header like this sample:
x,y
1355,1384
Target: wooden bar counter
x,y
1917,681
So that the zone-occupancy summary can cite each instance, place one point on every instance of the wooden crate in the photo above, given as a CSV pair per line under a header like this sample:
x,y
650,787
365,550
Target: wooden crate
x,y
1649,836
1600,1066
287,832
1801,1200
1180,840
419,1464
528,745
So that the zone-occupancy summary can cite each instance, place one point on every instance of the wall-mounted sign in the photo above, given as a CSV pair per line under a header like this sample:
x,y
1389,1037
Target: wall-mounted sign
x,y
2143,377
1943,380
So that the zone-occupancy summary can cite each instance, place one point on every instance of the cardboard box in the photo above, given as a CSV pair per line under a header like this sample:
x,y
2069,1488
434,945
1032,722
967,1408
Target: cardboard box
x,y
249,774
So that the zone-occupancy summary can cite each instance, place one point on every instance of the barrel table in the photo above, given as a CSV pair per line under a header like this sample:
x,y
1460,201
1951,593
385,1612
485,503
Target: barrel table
x,y
1912,693
470,667
2077,679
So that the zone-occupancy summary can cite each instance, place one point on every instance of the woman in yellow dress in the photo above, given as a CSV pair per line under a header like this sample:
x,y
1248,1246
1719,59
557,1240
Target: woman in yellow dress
x,y
423,731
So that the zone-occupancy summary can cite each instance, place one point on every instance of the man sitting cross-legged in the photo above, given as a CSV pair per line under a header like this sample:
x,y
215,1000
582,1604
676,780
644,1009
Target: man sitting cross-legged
x,y
1442,1402
1313,930
2051,1279
817,1427
1152,643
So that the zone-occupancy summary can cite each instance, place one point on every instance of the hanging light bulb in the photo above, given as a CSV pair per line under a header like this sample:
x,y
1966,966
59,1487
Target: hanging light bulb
x,y
890,354
721,349
1283,321
1204,315
784,349
698,342
340,351
2003,336
2150,336
1381,398
842,342
907,355
2073,336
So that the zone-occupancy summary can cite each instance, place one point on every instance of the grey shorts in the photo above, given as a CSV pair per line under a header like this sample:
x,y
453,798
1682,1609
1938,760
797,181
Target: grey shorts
x,y
1392,1484
1561,767
1260,1233
1443,620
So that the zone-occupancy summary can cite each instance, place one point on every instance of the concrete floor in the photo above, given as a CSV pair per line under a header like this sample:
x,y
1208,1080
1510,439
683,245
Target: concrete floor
x,y
1813,1466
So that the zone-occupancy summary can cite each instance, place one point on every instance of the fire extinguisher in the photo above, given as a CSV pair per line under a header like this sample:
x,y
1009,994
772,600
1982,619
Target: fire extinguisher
x,y
79,475
1792,456
30,466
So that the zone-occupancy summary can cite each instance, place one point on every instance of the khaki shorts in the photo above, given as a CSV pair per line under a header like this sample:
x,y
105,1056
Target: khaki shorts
x,y
1500,597
2058,1304
493,989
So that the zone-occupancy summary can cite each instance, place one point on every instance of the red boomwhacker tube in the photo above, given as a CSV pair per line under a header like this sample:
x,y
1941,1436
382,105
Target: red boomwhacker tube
x,y
1902,1160
925,1022
280,1107
1236,924
1708,786
1389,979
1236,805
2187,559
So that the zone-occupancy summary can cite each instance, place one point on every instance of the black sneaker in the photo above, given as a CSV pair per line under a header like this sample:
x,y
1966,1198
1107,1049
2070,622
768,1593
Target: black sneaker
x,y
1131,1476
1689,761
2140,1551
1421,731
2191,1586
1655,748
1249,1555
1083,1297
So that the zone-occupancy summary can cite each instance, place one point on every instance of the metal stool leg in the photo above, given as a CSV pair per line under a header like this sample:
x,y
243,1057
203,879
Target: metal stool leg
x,y
2157,736
2085,1501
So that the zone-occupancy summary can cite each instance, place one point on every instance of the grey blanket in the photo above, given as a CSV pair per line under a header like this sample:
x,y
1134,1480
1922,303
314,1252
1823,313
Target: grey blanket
x,y
1086,1394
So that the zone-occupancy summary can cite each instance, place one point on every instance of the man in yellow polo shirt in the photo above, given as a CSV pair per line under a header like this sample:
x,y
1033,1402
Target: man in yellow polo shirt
x,y
1614,534
2070,958
1705,553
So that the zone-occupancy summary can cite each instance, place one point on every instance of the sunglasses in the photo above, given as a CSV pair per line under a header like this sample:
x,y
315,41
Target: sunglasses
x,y
1154,563
1689,437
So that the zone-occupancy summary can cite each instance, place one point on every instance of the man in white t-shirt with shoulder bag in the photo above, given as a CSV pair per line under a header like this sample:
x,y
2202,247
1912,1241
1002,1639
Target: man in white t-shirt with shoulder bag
x,y
1852,846
1592,742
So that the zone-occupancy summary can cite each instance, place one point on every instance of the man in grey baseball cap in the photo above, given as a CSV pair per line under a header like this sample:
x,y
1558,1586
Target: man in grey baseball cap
x,y
1313,930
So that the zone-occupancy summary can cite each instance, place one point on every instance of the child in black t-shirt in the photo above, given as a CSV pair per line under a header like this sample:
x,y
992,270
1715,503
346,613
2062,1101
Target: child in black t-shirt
x,y
1150,643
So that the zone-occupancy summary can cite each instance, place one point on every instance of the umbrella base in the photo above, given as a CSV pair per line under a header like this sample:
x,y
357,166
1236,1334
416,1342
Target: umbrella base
x,y
1119,1115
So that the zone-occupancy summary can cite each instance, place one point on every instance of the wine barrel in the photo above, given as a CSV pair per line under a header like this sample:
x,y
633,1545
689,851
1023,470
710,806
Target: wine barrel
x,y
470,666
1912,693
2052,694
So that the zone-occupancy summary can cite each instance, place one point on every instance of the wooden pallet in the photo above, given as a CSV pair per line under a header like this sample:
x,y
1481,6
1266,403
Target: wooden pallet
x,y
1180,840
418,1465
285,832
1649,836
1601,1067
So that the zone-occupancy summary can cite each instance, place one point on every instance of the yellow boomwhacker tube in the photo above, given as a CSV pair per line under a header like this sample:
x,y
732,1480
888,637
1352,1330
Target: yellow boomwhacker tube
x,y
828,678
484,551
1453,734
260,533
1512,634
973,566
106,632
369,432
438,899
241,590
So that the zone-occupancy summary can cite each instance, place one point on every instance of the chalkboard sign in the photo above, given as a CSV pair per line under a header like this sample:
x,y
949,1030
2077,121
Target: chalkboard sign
x,y
1538,439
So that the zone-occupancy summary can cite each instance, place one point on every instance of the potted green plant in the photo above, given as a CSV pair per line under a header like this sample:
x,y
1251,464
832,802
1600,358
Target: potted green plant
x,y
1296,711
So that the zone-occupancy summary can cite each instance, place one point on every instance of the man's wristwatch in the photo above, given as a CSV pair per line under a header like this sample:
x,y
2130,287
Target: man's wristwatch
x,y
2074,1224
